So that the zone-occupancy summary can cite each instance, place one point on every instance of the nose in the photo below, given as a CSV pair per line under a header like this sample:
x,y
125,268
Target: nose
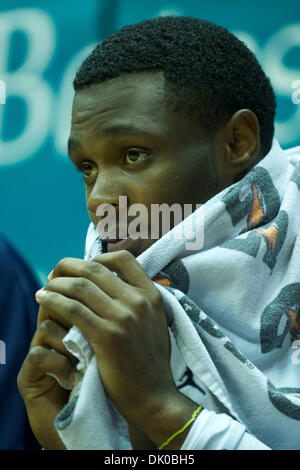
x,y
106,190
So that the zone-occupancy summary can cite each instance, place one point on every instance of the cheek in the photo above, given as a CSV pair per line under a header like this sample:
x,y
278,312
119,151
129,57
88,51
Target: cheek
x,y
165,186
198,184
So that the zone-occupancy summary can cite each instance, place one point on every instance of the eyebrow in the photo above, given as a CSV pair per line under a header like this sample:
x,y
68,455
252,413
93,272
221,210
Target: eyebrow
x,y
123,129
119,129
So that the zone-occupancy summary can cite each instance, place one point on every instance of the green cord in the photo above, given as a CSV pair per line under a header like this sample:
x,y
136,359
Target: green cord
x,y
182,429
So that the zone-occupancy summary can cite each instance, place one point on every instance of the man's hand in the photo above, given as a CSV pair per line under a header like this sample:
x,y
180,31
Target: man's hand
x,y
123,318
121,313
43,396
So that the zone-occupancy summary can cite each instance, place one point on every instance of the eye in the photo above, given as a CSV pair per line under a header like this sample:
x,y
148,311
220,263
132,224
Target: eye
x,y
133,156
87,169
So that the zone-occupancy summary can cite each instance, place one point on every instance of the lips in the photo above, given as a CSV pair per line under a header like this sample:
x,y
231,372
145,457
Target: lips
x,y
115,245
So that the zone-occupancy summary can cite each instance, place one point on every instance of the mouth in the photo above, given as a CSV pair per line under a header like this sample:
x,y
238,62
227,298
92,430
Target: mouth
x,y
117,244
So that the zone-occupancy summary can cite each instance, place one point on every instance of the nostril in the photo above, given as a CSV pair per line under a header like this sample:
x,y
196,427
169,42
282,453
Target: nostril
x,y
105,207
100,208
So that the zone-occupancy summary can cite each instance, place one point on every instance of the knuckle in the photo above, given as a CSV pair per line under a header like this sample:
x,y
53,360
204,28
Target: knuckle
x,y
62,264
125,255
94,268
36,354
126,318
87,269
73,308
46,327
140,303
80,284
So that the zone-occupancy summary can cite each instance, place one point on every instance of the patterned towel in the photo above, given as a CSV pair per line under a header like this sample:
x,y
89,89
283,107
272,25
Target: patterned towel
x,y
233,314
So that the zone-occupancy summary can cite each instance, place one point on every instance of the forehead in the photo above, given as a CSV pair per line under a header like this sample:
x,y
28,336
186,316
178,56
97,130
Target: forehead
x,y
138,97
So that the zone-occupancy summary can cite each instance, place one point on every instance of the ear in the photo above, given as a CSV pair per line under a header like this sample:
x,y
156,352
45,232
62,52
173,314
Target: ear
x,y
242,146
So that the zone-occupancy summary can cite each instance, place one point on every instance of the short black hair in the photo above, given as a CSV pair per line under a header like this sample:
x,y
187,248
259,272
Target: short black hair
x,y
210,73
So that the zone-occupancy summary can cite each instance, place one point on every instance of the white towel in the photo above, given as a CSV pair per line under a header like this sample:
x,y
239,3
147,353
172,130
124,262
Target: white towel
x,y
233,310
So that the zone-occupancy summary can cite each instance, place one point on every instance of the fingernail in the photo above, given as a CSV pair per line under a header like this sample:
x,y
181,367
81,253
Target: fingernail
x,y
50,275
40,293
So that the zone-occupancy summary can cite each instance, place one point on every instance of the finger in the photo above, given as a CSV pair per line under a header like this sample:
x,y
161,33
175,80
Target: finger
x,y
39,362
43,314
50,334
86,292
97,273
126,266
68,312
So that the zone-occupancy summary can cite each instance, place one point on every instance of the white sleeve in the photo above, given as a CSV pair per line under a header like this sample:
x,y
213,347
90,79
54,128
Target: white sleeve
x,y
218,431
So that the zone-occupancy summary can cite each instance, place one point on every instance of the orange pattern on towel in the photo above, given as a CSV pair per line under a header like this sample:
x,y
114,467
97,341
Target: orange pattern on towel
x,y
162,280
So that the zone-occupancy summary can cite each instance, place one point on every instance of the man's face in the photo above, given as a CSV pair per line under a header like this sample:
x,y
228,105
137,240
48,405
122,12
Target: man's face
x,y
127,144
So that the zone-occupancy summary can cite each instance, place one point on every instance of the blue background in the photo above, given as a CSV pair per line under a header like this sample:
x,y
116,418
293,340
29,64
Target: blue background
x,y
42,202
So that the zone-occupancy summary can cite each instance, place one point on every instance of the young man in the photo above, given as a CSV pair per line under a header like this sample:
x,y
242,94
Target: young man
x,y
171,110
